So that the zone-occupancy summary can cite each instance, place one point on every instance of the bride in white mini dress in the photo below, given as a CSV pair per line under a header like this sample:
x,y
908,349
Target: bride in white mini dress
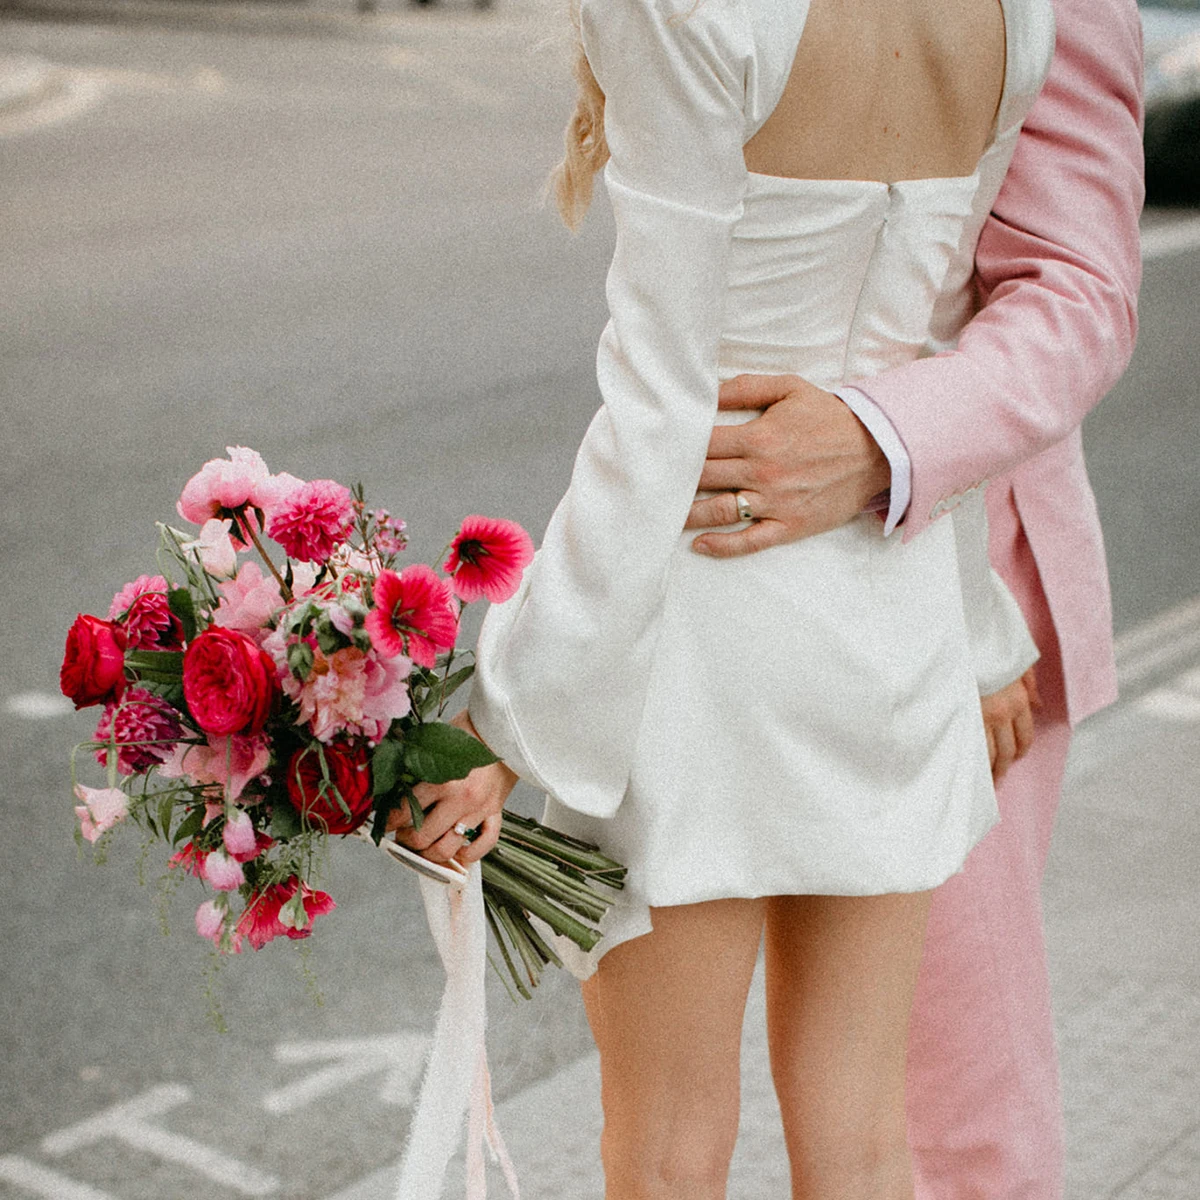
x,y
790,740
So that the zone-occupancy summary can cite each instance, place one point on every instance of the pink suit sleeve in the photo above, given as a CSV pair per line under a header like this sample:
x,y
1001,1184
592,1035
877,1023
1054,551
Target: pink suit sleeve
x,y
1057,268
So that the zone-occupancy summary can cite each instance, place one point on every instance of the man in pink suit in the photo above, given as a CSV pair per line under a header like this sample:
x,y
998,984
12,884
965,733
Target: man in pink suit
x,y
1058,267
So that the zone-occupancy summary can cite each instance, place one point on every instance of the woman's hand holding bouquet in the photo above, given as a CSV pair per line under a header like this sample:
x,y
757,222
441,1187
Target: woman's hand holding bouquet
x,y
252,709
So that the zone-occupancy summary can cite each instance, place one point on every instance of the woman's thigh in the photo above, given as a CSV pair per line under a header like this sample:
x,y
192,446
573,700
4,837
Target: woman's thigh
x,y
840,975
666,1011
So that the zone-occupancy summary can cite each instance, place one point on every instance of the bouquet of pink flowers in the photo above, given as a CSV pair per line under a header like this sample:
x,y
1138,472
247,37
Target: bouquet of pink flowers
x,y
252,710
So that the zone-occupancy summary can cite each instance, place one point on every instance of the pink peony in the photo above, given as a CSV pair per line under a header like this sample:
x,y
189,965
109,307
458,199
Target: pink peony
x,y
260,923
102,808
232,762
312,520
215,549
223,487
414,614
222,871
488,558
144,727
250,600
349,691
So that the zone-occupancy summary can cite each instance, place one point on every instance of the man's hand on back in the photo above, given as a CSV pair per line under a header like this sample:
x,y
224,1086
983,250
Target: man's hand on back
x,y
805,466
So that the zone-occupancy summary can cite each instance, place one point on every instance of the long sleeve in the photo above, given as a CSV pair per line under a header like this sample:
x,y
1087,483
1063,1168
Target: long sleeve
x,y
563,667
1057,268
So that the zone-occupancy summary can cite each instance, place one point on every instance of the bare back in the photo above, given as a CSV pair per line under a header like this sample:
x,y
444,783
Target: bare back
x,y
887,90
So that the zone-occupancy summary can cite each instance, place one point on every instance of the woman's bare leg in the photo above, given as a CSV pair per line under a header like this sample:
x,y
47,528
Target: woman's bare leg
x,y
840,973
666,1011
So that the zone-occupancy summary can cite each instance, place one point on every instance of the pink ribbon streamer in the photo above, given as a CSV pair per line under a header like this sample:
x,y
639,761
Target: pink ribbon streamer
x,y
457,1079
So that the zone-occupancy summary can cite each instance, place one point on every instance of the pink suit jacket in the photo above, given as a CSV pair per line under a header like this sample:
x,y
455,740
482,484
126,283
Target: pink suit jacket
x,y
1058,266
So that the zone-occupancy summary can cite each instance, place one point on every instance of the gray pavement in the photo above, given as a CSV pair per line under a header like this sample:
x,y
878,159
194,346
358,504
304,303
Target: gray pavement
x,y
331,251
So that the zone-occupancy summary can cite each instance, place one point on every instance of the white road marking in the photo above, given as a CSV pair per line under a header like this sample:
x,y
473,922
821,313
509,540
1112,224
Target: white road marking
x,y
41,1181
401,1056
38,706
130,1123
73,98
1169,638
1175,237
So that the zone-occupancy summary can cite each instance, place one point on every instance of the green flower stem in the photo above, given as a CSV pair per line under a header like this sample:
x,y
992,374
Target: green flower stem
x,y
492,910
510,886
538,838
533,965
552,882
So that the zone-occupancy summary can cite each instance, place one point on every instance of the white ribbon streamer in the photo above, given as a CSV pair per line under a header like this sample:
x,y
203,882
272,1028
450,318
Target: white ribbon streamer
x,y
456,1080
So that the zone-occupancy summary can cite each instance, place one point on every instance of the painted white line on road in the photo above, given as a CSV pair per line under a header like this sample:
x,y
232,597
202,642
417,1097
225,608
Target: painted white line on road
x,y
73,99
41,1181
401,1056
38,706
1175,237
1166,704
1169,638
129,1123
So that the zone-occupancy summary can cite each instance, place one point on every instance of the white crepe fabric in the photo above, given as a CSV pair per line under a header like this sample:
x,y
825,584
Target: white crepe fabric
x,y
805,719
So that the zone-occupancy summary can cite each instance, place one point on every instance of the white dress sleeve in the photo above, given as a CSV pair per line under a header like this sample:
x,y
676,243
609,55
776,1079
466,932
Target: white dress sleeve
x,y
563,666
1001,646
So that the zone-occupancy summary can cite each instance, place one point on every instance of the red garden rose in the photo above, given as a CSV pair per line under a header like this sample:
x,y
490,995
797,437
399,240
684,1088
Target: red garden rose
x,y
93,668
228,682
349,772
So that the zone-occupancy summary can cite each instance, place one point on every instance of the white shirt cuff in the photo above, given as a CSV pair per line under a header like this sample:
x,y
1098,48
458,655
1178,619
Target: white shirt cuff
x,y
885,435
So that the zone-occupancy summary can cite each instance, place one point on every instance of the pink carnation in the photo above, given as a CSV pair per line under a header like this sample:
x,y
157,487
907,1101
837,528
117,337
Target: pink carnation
x,y
261,923
142,610
102,808
230,761
223,487
488,558
414,614
310,521
145,727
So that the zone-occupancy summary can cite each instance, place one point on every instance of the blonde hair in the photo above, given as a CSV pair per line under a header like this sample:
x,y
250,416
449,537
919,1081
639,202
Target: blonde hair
x,y
586,150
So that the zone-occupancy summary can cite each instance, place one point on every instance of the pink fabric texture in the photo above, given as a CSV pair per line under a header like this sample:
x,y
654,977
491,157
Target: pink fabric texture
x,y
1058,265
984,1101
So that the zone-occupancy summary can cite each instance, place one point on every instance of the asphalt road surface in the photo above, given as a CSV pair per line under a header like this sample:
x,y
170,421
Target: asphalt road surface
x,y
330,248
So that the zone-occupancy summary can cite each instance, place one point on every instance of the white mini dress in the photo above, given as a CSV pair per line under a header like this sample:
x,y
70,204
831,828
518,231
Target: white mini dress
x,y
805,719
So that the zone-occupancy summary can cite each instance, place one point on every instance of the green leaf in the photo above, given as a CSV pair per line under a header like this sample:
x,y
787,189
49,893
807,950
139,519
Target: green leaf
x,y
165,808
300,660
192,824
386,765
328,636
285,821
157,666
437,752
180,602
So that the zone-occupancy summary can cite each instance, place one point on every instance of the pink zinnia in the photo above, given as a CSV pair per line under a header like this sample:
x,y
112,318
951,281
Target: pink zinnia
x,y
414,614
142,610
145,727
488,558
310,521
